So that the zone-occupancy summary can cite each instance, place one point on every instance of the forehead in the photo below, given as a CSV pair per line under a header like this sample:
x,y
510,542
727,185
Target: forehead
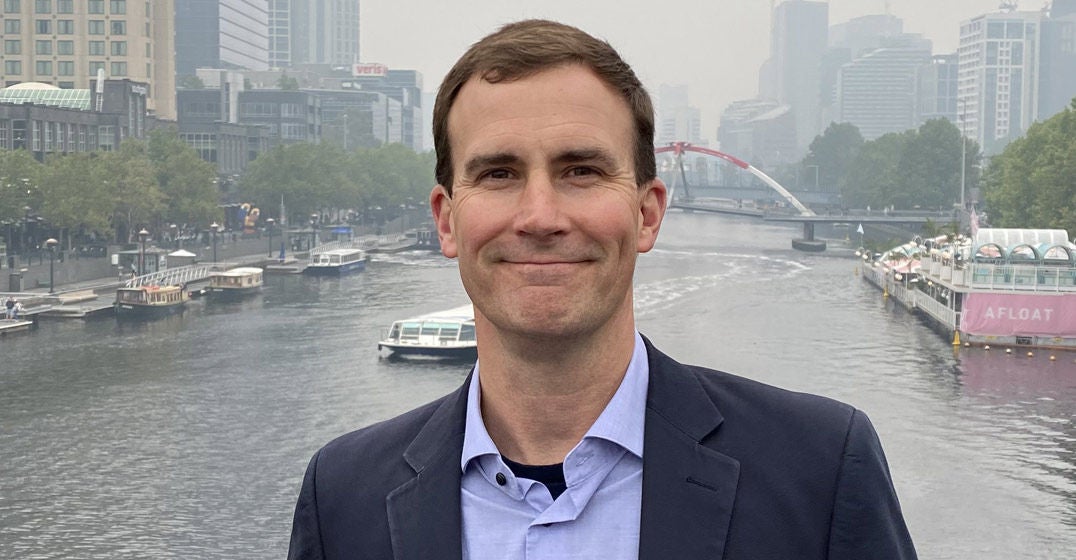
x,y
562,104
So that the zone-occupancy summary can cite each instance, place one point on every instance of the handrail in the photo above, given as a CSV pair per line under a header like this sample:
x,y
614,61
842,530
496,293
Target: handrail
x,y
175,276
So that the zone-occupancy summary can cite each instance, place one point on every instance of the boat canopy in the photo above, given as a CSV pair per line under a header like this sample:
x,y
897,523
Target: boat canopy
x,y
1024,246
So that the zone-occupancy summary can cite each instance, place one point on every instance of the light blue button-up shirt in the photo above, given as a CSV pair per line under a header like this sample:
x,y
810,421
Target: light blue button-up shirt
x,y
597,516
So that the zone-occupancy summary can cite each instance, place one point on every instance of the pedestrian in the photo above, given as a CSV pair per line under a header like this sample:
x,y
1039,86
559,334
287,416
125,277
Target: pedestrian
x,y
9,307
16,310
574,436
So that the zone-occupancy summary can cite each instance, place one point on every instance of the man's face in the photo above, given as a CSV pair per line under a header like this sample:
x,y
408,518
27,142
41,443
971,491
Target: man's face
x,y
546,217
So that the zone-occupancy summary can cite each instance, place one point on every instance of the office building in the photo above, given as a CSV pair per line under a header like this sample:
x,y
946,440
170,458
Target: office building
x,y
313,32
66,43
878,92
938,88
791,76
230,34
677,120
1058,78
998,76
757,131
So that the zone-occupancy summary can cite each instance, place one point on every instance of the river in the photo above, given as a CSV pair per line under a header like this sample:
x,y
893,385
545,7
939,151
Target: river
x,y
188,437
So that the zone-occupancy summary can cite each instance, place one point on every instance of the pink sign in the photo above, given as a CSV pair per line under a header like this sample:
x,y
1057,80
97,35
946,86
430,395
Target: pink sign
x,y
1020,315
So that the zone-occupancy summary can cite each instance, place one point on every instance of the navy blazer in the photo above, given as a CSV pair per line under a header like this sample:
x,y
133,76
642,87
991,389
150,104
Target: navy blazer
x,y
732,469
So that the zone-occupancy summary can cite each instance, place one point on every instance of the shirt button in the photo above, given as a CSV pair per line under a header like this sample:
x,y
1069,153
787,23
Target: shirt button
x,y
501,479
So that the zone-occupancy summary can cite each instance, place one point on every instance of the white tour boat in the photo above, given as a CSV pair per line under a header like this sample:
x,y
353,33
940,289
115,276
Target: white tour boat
x,y
447,334
235,284
336,262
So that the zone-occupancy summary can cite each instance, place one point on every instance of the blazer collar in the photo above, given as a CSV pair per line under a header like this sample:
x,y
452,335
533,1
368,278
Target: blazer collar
x,y
688,488
424,512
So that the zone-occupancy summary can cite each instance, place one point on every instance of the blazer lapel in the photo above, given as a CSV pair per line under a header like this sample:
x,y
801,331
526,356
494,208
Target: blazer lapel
x,y
688,489
424,512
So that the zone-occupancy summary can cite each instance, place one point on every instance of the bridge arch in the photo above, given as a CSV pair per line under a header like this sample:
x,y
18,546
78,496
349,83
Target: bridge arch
x,y
678,149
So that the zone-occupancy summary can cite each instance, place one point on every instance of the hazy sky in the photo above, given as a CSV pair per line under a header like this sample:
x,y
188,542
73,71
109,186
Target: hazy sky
x,y
713,46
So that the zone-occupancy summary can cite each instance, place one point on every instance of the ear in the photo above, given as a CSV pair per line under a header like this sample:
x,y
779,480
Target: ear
x,y
441,204
652,199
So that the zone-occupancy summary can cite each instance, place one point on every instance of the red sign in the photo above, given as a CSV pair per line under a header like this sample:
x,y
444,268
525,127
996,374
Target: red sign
x,y
369,69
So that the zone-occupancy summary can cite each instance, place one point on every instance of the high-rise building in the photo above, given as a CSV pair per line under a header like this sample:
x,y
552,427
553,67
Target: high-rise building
x,y
221,34
878,92
678,121
798,42
756,130
1058,77
938,89
863,34
66,43
999,73
313,32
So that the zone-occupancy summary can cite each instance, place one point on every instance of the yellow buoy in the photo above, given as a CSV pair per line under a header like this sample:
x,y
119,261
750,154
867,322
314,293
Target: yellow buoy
x,y
956,338
1008,351
1052,357
1029,354
986,347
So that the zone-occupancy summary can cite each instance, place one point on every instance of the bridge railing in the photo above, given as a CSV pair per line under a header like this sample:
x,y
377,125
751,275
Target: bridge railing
x,y
178,276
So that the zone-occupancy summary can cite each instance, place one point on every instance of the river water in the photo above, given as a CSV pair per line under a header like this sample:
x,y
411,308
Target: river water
x,y
187,437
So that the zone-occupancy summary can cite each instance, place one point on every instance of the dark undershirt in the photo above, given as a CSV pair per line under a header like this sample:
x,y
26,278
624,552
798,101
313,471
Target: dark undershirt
x,y
552,476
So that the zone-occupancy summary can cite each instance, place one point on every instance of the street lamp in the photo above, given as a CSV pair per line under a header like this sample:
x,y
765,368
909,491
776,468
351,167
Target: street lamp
x,y
213,227
313,230
175,235
269,223
143,235
51,244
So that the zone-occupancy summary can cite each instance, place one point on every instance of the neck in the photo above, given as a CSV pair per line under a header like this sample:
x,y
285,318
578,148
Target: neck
x,y
540,395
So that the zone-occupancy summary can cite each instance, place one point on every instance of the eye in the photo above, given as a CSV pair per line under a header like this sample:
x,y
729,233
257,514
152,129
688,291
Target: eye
x,y
582,171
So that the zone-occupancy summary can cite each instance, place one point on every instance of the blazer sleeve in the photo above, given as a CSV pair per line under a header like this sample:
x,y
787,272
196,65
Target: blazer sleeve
x,y
867,521
306,528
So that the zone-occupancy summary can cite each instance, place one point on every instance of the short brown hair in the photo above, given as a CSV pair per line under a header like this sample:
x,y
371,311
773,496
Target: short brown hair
x,y
524,48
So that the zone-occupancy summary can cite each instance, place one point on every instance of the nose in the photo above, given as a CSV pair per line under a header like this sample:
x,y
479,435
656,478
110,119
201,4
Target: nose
x,y
539,211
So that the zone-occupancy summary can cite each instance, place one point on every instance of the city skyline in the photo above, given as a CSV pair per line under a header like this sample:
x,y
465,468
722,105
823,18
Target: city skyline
x,y
715,48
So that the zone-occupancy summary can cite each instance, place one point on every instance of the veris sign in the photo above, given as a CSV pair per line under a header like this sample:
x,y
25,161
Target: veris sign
x,y
369,69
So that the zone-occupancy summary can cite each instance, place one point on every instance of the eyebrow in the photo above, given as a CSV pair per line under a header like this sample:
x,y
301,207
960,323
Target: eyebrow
x,y
597,156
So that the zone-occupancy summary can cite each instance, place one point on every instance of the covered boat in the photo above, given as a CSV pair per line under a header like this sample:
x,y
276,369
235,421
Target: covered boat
x,y
446,334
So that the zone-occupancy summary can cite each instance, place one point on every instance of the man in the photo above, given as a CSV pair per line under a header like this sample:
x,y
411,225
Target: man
x,y
574,437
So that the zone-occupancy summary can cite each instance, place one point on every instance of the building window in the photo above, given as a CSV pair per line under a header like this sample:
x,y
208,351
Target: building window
x,y
42,47
65,6
11,6
43,67
65,47
96,6
65,27
106,137
65,68
12,67
66,85
119,48
43,26
119,68
12,46
35,135
97,27
43,6
12,26
95,66
119,28
116,7
4,125
97,48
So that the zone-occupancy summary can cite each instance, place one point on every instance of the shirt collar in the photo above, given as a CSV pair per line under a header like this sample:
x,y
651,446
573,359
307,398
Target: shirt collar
x,y
621,422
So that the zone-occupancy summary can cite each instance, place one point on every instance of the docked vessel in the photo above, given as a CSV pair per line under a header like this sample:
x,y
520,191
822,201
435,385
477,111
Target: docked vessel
x,y
445,334
336,262
1003,287
150,301
235,284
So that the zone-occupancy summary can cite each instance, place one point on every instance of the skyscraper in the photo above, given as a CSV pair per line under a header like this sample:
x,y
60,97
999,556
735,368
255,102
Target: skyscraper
x,y
998,77
65,43
677,120
231,34
877,92
792,75
313,32
1058,76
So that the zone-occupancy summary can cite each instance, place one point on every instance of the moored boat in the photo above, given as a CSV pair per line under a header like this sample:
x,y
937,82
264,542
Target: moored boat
x,y
1001,287
444,334
150,301
336,262
235,284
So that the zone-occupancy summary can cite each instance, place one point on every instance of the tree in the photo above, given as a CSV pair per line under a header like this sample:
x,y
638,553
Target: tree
x,y
132,186
930,164
874,174
833,152
287,83
19,179
75,196
1032,183
185,180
